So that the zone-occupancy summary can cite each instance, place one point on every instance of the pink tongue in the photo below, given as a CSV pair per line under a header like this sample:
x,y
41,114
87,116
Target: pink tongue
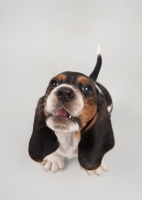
x,y
61,113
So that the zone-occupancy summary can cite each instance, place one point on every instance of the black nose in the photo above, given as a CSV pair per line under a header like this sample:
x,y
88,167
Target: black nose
x,y
65,94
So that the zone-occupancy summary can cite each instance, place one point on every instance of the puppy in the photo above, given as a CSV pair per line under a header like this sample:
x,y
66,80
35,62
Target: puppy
x,y
72,119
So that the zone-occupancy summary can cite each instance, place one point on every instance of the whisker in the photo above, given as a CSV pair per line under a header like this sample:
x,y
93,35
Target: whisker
x,y
55,143
40,105
86,112
40,111
52,71
55,68
43,125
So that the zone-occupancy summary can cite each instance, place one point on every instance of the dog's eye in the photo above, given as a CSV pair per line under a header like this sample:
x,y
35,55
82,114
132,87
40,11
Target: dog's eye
x,y
87,88
54,83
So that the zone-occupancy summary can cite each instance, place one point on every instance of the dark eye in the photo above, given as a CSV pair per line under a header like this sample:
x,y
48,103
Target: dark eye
x,y
54,83
87,88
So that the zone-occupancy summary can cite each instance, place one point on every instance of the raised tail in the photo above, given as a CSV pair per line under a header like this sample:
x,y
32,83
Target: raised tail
x,y
97,68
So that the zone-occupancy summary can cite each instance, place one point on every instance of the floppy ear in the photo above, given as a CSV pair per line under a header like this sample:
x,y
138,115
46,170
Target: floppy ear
x,y
96,141
43,140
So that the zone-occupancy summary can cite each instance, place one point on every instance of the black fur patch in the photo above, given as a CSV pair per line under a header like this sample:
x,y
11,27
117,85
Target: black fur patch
x,y
43,140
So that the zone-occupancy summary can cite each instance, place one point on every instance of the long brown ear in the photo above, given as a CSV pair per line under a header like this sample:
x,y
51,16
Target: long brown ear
x,y
43,140
96,141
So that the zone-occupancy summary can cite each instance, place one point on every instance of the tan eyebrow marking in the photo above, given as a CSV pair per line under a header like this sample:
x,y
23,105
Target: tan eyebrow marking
x,y
61,77
82,79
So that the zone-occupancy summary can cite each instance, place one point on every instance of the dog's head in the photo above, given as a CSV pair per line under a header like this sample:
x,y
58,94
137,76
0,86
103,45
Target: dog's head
x,y
71,101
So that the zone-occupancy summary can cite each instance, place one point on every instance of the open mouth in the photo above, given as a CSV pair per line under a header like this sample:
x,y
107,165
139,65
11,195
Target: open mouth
x,y
64,115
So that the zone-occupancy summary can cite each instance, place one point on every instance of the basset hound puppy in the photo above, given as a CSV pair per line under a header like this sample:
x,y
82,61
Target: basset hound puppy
x,y
71,120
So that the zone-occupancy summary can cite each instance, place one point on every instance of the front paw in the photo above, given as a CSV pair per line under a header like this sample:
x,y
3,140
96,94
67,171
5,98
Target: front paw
x,y
53,162
98,171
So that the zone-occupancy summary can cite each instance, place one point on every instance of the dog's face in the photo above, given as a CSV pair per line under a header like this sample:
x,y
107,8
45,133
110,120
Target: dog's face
x,y
71,102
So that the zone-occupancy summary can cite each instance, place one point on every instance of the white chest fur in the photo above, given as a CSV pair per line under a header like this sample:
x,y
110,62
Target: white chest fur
x,y
68,144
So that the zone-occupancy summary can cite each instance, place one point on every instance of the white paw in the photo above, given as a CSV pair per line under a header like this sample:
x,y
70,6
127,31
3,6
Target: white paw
x,y
98,171
53,162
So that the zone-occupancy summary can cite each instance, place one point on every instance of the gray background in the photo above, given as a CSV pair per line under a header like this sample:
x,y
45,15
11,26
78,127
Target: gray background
x,y
39,39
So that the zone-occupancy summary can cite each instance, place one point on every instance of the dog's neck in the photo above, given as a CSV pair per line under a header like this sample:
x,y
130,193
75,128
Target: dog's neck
x,y
68,144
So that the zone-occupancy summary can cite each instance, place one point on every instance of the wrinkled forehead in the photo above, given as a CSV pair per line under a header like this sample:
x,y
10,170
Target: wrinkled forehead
x,y
73,78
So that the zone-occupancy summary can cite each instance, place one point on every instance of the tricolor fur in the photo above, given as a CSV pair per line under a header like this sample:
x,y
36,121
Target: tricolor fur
x,y
72,119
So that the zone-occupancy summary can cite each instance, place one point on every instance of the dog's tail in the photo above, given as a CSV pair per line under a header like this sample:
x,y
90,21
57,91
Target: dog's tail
x,y
97,68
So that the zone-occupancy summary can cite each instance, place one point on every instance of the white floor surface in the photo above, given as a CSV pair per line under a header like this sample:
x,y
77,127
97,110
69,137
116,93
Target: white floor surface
x,y
39,39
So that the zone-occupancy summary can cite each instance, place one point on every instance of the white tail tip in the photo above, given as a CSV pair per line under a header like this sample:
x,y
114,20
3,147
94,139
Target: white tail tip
x,y
99,49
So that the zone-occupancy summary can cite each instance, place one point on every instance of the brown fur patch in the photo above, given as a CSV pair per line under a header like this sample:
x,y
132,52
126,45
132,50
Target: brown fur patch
x,y
77,135
91,124
61,77
82,80
88,112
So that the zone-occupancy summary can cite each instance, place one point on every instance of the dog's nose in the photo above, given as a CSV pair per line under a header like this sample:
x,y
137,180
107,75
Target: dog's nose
x,y
65,94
